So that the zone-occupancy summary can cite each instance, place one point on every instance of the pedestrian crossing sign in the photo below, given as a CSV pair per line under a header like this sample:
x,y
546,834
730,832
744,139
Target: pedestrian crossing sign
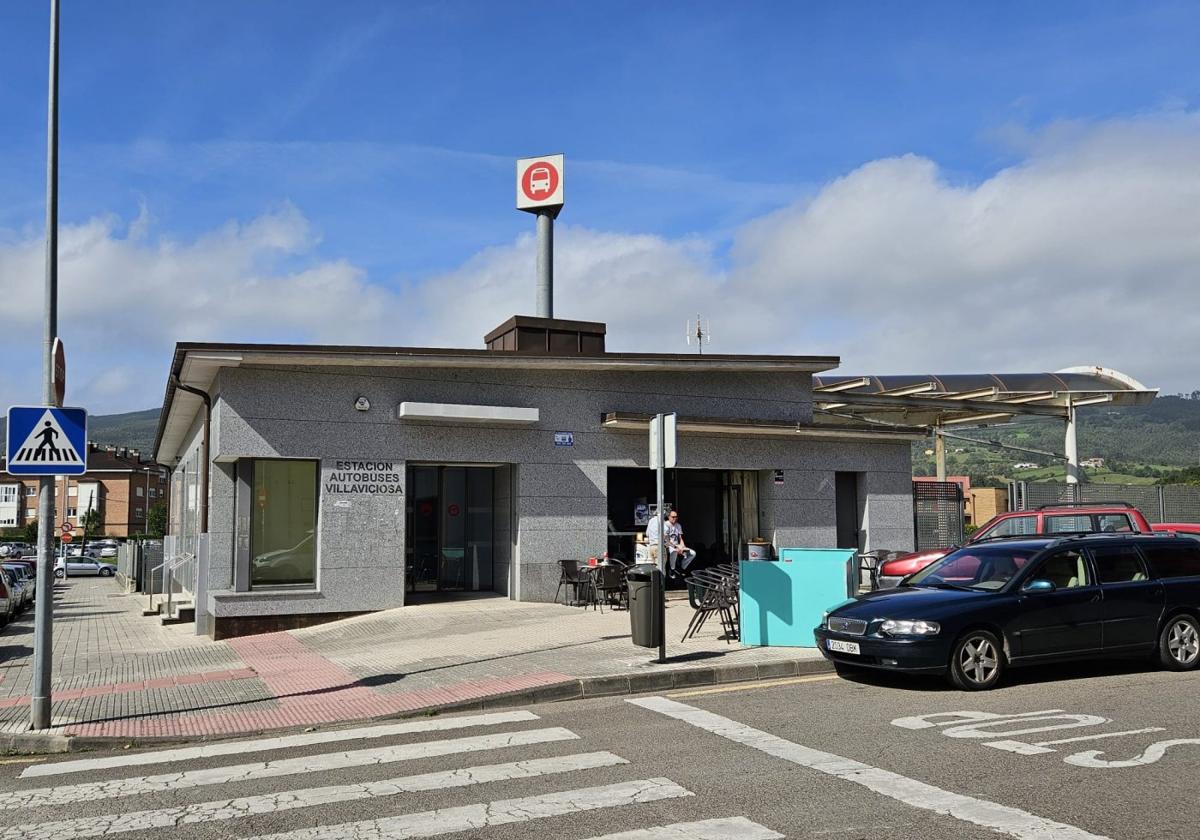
x,y
43,440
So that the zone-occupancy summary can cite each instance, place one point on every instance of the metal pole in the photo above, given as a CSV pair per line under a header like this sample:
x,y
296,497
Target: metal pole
x,y
1071,447
545,265
660,475
939,453
42,642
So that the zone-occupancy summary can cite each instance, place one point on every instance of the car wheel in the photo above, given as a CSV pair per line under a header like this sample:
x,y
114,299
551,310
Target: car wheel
x,y
106,573
977,662
59,573
1179,643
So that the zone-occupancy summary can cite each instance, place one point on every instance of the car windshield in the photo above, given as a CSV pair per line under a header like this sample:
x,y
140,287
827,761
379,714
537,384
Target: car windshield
x,y
981,567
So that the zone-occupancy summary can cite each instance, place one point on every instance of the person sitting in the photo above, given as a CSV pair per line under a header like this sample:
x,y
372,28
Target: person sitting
x,y
680,555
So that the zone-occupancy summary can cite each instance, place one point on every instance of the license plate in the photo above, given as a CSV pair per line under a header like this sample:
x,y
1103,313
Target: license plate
x,y
842,647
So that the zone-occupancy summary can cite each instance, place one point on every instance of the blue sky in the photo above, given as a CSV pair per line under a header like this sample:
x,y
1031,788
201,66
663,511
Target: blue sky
x,y
380,138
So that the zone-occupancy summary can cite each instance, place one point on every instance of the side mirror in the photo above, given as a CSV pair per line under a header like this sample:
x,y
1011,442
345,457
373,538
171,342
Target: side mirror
x,y
1035,587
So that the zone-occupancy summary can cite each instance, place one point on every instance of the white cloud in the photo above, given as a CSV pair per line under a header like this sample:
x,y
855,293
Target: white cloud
x,y
1085,252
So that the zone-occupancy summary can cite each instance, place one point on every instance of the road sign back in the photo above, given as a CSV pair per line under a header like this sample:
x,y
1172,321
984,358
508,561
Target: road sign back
x,y
43,440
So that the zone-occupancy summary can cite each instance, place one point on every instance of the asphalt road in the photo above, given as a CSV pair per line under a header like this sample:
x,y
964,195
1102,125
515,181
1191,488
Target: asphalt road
x,y
813,756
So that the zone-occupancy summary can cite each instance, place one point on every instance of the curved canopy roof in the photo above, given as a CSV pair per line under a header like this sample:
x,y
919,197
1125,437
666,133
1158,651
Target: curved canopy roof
x,y
971,398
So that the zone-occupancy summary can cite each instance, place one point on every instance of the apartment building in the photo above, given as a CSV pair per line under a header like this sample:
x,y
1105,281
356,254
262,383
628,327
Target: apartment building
x,y
120,484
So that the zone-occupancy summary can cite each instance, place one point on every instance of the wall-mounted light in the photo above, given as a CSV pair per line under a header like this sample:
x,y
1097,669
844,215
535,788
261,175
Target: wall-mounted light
x,y
362,404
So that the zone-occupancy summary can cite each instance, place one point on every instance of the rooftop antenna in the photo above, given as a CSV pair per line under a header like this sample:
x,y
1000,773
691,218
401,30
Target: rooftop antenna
x,y
700,332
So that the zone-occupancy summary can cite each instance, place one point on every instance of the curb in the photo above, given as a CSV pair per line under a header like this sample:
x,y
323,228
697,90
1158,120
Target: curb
x,y
36,743
33,743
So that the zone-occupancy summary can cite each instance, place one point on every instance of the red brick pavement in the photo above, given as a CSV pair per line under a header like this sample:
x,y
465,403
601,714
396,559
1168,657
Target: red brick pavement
x,y
308,689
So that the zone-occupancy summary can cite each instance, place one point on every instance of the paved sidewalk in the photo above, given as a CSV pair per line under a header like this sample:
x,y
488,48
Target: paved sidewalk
x,y
121,675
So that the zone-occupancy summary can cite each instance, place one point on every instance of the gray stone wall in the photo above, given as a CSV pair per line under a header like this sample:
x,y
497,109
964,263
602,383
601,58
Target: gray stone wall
x,y
551,501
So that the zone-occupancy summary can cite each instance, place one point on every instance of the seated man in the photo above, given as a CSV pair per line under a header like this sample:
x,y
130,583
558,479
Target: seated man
x,y
680,555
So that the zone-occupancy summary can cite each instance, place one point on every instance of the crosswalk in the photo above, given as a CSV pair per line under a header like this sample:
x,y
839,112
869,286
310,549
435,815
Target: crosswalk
x,y
541,773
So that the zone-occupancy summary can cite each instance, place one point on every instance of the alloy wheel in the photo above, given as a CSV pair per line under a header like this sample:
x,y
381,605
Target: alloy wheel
x,y
978,660
1183,642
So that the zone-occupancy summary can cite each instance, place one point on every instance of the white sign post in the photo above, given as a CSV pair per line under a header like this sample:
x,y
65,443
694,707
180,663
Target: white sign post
x,y
662,457
540,190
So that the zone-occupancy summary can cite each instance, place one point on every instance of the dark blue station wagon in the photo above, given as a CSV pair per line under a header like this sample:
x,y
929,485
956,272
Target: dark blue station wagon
x,y
992,605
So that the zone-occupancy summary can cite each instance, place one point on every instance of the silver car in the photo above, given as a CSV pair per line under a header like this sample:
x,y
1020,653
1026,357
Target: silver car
x,y
17,591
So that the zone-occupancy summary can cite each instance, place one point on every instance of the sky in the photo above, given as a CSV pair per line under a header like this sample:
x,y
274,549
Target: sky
x,y
916,188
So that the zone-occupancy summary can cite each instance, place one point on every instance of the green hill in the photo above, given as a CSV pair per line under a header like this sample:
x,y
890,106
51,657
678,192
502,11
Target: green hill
x,y
1138,445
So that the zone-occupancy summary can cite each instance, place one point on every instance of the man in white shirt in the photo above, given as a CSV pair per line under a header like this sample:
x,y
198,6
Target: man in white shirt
x,y
652,529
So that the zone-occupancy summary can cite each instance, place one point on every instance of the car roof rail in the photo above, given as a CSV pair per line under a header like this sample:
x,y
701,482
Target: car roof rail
x,y
1084,504
1014,537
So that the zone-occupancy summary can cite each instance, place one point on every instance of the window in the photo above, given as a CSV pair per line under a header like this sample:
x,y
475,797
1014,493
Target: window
x,y
8,493
71,512
1074,524
139,492
138,513
1118,522
72,491
1118,564
1013,526
1173,559
31,514
153,493
30,491
283,523
1066,570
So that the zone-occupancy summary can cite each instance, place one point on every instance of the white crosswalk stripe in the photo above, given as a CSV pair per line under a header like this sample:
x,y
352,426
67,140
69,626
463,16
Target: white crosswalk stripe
x,y
86,791
277,743
227,809
397,799
485,814
730,828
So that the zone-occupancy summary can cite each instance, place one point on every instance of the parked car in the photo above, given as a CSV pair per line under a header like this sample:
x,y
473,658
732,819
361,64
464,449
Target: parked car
x,y
16,589
992,605
16,549
1107,517
27,572
78,565
8,607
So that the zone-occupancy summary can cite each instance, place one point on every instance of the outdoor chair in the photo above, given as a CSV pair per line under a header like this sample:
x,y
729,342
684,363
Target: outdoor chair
x,y
718,594
868,567
571,575
610,585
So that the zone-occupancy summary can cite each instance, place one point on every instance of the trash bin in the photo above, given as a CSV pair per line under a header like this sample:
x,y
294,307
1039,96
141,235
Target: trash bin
x,y
645,616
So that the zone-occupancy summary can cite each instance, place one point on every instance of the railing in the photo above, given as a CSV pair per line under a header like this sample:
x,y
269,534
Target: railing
x,y
181,571
175,575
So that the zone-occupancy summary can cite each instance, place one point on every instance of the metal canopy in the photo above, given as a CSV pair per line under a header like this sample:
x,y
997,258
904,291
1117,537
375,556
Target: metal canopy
x,y
964,399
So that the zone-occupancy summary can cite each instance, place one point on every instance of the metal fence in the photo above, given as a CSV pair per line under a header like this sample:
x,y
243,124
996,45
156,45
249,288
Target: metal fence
x,y
135,560
937,514
1157,502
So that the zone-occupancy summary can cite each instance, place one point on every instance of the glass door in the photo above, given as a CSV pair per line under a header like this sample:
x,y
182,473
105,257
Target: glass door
x,y
450,515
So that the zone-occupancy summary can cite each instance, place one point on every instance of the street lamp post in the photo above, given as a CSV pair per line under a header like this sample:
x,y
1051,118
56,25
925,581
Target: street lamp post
x,y
42,642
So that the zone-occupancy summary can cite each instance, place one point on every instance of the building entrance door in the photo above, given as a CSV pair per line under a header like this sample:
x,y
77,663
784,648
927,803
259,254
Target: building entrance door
x,y
718,510
448,528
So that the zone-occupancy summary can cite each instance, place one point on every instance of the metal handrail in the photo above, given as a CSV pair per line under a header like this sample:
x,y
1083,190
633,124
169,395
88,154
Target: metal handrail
x,y
178,562
150,585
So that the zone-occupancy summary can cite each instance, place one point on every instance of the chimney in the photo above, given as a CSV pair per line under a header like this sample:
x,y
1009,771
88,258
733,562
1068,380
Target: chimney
x,y
548,337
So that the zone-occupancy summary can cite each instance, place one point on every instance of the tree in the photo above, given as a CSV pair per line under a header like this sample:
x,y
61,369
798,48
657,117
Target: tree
x,y
31,531
156,522
91,522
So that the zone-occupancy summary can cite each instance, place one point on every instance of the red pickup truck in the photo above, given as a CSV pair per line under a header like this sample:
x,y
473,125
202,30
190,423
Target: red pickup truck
x,y
1120,517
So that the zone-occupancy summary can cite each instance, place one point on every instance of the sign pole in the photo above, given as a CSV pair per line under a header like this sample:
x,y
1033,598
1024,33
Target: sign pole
x,y
660,474
545,264
42,643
